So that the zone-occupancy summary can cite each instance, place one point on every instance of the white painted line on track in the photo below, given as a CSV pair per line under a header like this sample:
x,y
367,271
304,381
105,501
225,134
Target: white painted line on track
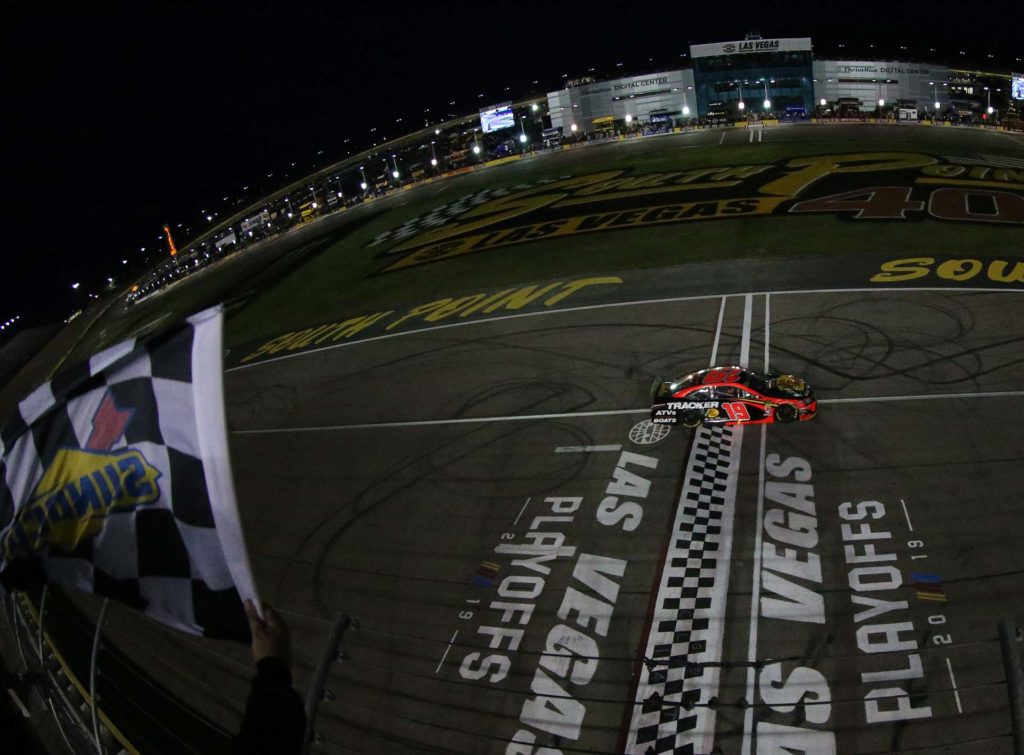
x,y
755,589
755,601
574,415
429,422
906,514
718,332
441,662
748,316
956,692
587,449
521,512
723,138
612,305
922,397
720,588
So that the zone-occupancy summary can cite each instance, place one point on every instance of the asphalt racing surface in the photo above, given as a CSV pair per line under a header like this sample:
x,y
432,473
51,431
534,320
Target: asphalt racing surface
x,y
450,488
525,566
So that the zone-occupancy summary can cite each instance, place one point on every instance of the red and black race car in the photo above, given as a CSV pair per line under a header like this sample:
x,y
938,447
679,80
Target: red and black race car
x,y
731,396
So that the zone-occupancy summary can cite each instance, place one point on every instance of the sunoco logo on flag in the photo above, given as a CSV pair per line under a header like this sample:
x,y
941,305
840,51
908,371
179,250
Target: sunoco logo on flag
x,y
115,479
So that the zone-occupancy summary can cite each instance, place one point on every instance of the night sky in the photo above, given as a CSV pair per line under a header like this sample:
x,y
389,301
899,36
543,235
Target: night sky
x,y
118,117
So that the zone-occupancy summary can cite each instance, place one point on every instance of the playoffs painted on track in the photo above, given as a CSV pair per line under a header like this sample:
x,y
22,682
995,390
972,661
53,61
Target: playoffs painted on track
x,y
529,570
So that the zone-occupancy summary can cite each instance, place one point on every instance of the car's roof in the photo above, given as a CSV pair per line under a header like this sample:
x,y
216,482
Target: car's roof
x,y
697,378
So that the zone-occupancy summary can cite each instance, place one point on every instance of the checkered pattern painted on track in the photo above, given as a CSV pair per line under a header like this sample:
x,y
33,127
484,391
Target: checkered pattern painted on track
x,y
671,714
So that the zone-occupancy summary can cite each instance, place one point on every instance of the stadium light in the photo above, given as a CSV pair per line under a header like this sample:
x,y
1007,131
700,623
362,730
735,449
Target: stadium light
x,y
535,107
476,149
629,119
881,102
572,127
823,102
75,285
742,105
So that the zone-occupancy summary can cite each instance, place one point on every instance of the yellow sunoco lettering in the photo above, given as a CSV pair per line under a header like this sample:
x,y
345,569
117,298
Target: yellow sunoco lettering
x,y
907,269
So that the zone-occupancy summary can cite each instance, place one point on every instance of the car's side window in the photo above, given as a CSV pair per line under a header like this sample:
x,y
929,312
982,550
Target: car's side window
x,y
703,394
729,391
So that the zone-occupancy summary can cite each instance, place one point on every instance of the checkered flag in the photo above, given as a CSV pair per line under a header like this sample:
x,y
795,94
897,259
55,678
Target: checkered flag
x,y
115,479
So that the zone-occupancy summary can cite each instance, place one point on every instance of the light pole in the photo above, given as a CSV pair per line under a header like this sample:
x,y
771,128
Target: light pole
x,y
522,136
394,174
433,153
767,99
742,105
935,94
989,93
363,185
476,144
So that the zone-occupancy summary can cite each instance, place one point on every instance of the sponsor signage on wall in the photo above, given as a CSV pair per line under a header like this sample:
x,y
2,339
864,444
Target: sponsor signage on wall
x,y
746,46
855,67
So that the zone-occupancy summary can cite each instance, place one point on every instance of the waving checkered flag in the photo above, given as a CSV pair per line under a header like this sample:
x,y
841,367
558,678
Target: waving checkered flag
x,y
115,479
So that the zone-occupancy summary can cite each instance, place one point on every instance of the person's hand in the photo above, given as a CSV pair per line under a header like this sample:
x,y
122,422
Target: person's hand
x,y
269,634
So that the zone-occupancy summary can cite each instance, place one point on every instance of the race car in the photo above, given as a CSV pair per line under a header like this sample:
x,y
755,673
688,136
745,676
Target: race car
x,y
731,395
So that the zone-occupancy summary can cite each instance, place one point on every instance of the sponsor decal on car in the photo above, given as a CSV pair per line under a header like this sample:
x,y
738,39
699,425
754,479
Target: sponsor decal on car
x,y
678,405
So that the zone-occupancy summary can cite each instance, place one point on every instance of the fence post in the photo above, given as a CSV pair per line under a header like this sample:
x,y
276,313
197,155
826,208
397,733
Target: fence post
x,y
316,684
1009,642
42,609
92,674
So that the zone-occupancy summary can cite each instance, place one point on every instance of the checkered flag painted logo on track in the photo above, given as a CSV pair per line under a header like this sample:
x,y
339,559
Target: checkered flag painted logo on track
x,y
115,479
671,712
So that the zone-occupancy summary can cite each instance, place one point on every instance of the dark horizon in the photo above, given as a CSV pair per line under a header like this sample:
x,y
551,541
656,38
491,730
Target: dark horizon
x,y
122,119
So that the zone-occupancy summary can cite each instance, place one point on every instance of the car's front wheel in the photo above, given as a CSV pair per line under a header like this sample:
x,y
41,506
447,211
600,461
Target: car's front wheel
x,y
785,413
692,417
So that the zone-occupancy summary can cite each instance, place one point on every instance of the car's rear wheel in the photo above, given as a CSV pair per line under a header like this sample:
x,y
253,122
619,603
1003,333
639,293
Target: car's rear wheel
x,y
785,413
692,417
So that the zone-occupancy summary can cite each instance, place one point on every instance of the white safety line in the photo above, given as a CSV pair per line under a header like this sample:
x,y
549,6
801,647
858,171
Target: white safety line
x,y
521,512
612,305
755,602
723,137
574,415
755,589
748,316
587,449
429,422
952,681
441,662
718,332
906,514
921,397
720,588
